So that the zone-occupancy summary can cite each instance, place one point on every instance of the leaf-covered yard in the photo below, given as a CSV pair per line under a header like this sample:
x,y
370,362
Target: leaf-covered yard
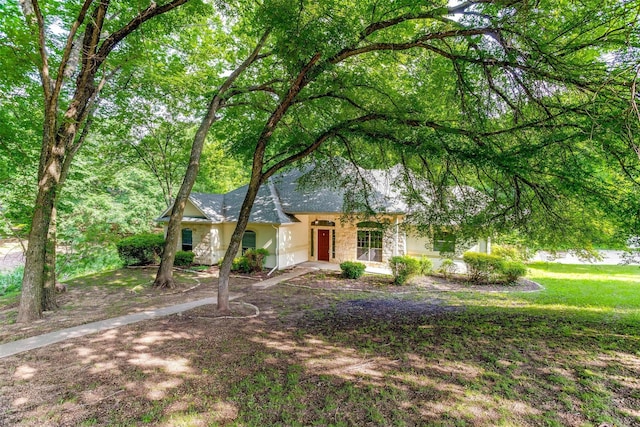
x,y
325,351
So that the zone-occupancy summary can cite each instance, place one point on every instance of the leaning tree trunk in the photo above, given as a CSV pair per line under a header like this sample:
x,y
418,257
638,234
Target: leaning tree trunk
x,y
164,277
258,177
236,240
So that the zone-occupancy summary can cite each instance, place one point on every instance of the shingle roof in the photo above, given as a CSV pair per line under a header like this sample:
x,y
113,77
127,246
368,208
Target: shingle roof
x,y
210,205
382,195
283,196
266,208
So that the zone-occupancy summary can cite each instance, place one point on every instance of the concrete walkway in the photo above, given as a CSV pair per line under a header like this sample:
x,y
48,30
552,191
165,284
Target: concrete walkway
x,y
20,346
298,270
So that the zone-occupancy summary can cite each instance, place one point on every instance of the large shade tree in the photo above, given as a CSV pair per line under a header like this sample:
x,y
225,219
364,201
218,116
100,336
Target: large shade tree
x,y
491,94
70,44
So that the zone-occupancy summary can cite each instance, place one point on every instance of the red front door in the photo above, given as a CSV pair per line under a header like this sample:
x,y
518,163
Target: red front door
x,y
323,245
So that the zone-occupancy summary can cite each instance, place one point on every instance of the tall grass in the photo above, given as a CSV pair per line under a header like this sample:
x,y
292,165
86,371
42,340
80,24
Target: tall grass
x,y
68,266
11,281
88,261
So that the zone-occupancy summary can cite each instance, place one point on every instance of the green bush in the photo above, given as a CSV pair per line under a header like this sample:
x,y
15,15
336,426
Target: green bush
x,y
352,270
184,258
240,264
447,268
482,267
426,266
256,259
141,249
403,268
513,270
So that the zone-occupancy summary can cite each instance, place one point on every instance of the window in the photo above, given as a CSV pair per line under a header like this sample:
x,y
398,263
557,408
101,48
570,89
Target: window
x,y
369,241
187,239
444,242
333,243
312,241
248,241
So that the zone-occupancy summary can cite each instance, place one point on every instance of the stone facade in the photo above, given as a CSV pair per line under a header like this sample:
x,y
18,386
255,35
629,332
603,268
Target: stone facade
x,y
346,233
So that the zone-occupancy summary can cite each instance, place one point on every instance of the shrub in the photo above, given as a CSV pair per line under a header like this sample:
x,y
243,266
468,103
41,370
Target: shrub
x,y
352,270
447,268
240,264
256,259
482,267
426,266
513,270
184,258
403,268
141,249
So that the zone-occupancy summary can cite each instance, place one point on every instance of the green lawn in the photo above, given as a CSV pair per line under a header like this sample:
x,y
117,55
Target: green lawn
x,y
607,290
568,355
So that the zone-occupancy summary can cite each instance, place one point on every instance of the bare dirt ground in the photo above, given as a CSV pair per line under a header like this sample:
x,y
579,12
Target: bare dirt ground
x,y
180,370
112,295
11,254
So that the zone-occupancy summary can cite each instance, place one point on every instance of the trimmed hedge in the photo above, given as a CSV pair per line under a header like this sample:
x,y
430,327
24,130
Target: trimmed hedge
x,y
403,268
483,268
184,258
513,270
141,249
352,270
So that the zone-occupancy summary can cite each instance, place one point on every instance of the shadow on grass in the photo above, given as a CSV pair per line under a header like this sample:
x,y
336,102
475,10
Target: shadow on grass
x,y
478,366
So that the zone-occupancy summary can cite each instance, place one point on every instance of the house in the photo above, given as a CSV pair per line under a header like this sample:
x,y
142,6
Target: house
x,y
298,223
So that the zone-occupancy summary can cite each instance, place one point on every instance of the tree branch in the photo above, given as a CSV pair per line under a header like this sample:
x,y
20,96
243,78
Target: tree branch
x,y
152,11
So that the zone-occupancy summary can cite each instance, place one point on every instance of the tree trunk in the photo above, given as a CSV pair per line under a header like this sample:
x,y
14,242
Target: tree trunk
x,y
49,291
236,239
34,268
257,178
164,277
58,139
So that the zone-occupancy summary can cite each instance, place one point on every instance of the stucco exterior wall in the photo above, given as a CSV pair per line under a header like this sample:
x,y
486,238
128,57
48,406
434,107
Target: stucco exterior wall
x,y
421,246
265,238
293,243
202,239
190,210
